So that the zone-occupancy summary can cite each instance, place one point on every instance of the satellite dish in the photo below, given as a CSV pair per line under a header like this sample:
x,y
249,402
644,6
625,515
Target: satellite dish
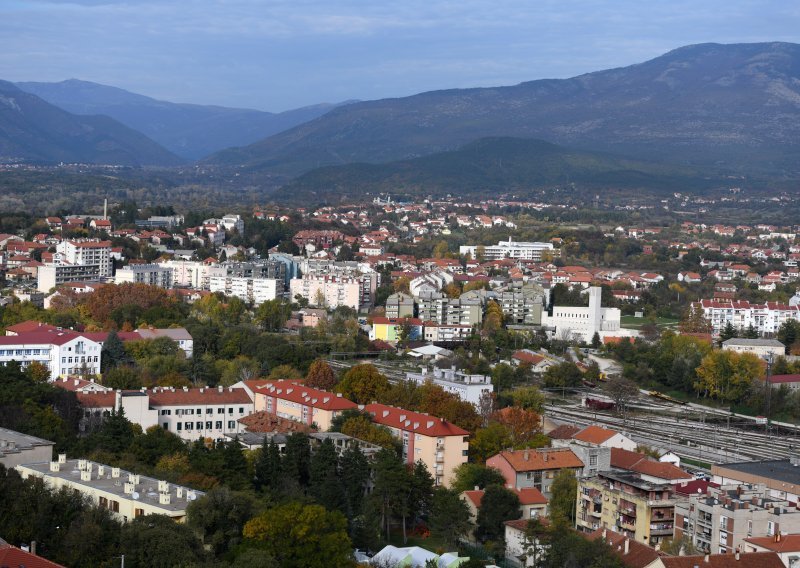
x,y
191,497
135,495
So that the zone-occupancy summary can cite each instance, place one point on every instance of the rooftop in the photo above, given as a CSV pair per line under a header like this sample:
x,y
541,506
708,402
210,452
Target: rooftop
x,y
146,489
12,442
539,459
750,560
753,342
638,555
412,421
777,470
777,543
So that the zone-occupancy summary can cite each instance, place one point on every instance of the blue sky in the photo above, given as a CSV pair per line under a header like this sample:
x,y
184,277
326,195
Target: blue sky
x,y
276,55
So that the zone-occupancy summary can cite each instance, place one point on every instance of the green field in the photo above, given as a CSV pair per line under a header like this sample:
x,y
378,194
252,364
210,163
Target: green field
x,y
632,322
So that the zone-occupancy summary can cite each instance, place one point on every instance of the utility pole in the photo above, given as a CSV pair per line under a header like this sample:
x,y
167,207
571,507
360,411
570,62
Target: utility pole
x,y
768,395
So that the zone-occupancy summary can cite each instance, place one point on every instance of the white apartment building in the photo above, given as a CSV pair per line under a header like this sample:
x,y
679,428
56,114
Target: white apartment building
x,y
193,274
509,249
255,290
51,276
444,332
62,352
125,494
151,274
192,414
765,318
88,252
581,323
328,291
228,222
470,388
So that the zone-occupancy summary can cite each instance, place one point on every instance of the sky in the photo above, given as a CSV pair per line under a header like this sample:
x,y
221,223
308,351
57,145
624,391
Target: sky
x,y
277,55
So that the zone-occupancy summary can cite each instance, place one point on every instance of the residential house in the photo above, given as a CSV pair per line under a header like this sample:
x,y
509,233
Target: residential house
x,y
535,467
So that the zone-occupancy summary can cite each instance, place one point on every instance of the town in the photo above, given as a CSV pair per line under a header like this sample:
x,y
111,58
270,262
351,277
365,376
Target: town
x,y
417,383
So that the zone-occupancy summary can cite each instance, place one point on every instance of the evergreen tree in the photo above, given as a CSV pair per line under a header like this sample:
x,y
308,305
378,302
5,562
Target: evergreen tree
x,y
355,474
297,459
449,517
727,332
268,467
325,484
113,353
234,470
497,506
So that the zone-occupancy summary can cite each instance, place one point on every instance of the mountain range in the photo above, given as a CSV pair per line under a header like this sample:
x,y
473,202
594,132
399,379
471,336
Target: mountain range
x,y
491,166
188,130
727,107
34,130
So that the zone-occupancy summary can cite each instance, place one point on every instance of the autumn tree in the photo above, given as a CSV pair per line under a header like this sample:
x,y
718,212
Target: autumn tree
x,y
321,376
529,398
695,321
563,494
622,391
272,314
302,536
524,426
363,384
493,320
727,375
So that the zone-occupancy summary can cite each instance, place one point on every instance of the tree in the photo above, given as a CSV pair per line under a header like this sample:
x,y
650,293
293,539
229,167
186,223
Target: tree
x,y
113,353
727,375
727,332
272,314
789,334
621,391
529,398
449,517
563,494
564,374
220,516
502,377
390,486
302,536
158,541
325,484
468,476
498,505
363,384
37,372
493,320
694,321
489,441
524,426
123,378
596,341
362,428
285,373
355,473
268,466
321,376
297,460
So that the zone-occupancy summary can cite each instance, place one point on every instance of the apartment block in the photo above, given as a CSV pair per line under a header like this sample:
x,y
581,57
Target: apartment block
x,y
534,468
52,276
88,252
252,290
62,352
509,249
400,305
150,274
465,386
440,445
719,520
328,291
625,503
127,495
17,448
300,403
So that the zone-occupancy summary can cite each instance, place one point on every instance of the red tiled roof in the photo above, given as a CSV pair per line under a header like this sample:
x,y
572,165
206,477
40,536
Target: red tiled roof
x,y
777,543
749,559
527,496
30,325
266,422
595,434
13,557
97,399
784,379
563,432
39,338
538,459
526,357
639,555
301,394
640,463
170,397
413,421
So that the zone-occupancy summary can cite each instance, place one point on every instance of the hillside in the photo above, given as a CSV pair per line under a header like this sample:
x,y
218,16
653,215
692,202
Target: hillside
x,y
191,131
490,166
732,107
34,130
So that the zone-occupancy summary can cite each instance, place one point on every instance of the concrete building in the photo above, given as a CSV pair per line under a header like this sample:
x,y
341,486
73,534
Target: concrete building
x,y
470,388
52,276
624,502
606,438
88,253
509,249
17,448
446,333
150,274
193,274
440,445
759,347
127,495
391,329
400,305
787,547
581,323
765,318
719,520
781,477
327,291
300,403
437,308
534,468
62,352
251,290
179,335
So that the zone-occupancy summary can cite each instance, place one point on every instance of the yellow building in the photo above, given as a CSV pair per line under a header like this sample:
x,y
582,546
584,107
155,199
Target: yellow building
x,y
295,401
440,445
625,503
126,495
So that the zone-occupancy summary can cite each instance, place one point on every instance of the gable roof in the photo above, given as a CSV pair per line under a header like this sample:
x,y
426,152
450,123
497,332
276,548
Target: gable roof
x,y
639,555
595,434
640,463
749,559
12,557
527,496
171,397
538,459
301,394
412,421
563,432
778,543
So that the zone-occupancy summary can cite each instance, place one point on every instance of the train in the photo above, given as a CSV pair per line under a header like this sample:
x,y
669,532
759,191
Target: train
x,y
596,404
666,397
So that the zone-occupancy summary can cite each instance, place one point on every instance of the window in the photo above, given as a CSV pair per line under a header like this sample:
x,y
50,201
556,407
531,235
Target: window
x,y
592,460
209,411
166,425
241,410
231,424
114,506
138,512
199,425
230,410
218,424
770,528
208,425
220,411
180,427
188,425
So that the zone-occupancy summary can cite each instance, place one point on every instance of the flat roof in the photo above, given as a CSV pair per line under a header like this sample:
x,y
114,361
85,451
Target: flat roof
x,y
147,488
21,442
778,470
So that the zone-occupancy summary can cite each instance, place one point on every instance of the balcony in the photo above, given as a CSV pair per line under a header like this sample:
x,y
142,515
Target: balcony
x,y
661,528
440,458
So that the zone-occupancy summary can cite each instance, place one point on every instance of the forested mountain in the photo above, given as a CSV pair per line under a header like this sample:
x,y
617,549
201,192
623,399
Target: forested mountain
x,y
189,130
34,130
732,107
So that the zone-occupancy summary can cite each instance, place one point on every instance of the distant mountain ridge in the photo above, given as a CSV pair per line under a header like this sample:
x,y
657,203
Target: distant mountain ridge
x,y
489,166
732,107
34,130
189,130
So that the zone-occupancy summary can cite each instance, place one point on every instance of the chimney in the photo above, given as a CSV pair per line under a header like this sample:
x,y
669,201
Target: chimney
x,y
706,558
604,533
627,545
526,455
477,488
33,547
